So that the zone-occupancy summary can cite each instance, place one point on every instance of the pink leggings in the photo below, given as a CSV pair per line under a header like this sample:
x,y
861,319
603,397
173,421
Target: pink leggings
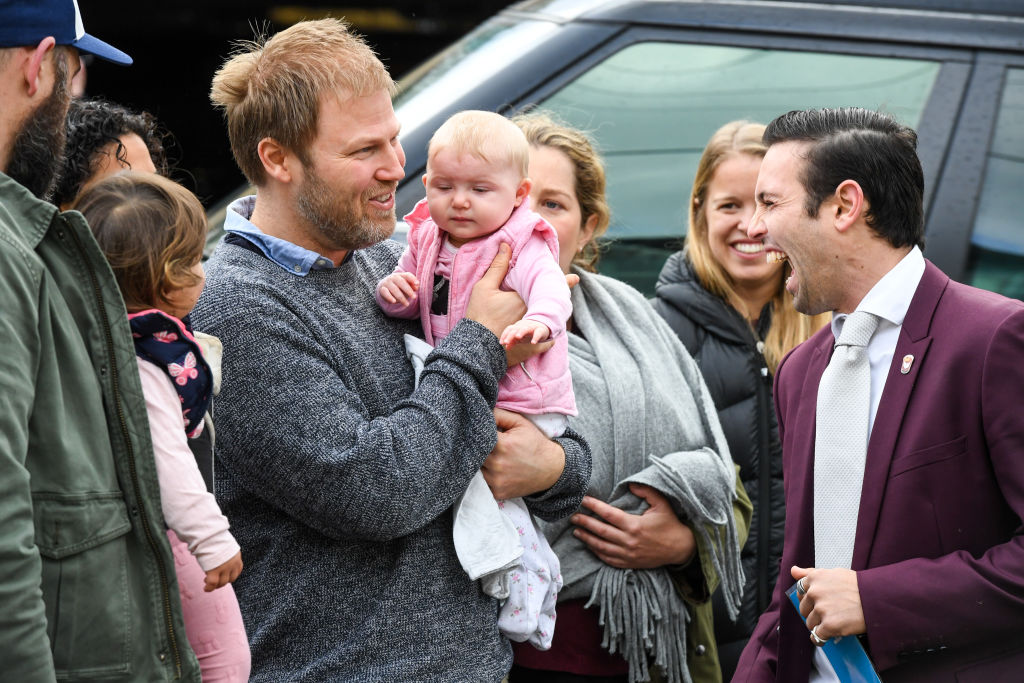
x,y
213,622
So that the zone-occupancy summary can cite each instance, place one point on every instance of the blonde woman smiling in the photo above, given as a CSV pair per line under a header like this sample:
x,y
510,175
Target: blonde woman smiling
x,y
724,295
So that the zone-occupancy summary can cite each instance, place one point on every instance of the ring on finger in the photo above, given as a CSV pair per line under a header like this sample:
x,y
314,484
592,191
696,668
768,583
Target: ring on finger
x,y
818,640
801,587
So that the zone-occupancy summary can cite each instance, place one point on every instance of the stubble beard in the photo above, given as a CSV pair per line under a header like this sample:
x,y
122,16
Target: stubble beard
x,y
800,302
339,225
37,152
812,301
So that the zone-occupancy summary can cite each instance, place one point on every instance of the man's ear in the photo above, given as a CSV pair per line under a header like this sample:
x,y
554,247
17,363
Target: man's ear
x,y
277,161
523,191
34,64
850,204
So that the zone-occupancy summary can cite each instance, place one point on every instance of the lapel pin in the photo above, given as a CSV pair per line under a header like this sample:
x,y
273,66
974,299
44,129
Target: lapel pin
x,y
908,360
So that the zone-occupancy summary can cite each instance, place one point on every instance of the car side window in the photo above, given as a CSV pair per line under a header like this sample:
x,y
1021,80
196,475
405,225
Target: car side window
x,y
653,105
997,244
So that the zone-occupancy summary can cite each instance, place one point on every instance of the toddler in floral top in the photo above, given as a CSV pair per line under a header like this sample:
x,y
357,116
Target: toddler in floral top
x,y
152,232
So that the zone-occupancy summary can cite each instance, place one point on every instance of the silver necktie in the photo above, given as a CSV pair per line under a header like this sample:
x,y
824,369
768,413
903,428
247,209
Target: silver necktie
x,y
841,442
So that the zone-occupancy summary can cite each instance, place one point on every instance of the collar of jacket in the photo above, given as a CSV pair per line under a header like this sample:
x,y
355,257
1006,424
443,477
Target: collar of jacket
x,y
40,214
678,285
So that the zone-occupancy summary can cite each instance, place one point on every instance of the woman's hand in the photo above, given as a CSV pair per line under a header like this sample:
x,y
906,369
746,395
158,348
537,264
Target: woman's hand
x,y
653,539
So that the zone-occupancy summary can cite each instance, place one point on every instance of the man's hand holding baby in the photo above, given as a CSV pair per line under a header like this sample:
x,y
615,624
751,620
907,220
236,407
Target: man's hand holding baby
x,y
399,288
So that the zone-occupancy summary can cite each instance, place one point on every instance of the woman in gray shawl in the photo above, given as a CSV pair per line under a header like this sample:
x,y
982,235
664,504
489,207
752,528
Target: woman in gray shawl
x,y
665,515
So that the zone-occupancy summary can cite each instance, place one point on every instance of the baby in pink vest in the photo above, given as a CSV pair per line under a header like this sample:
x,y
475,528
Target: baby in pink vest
x,y
478,198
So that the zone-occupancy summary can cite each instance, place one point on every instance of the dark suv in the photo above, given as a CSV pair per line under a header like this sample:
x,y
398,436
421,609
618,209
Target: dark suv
x,y
652,80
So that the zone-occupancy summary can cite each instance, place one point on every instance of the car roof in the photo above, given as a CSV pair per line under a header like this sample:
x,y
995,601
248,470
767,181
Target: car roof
x,y
571,9
989,24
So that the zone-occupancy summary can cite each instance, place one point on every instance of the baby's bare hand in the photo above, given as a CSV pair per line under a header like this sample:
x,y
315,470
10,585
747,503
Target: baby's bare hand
x,y
529,331
224,574
399,288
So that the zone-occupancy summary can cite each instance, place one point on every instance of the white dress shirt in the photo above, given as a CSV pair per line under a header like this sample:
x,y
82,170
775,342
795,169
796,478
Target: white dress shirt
x,y
889,299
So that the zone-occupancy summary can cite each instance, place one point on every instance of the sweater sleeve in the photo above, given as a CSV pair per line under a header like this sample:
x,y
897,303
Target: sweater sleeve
x,y
537,277
540,281
310,418
565,496
189,509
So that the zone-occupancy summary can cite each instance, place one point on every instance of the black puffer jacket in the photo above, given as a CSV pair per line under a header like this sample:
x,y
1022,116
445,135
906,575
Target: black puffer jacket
x,y
725,348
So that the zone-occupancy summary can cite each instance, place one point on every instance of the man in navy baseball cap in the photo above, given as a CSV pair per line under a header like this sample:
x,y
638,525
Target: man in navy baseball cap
x,y
26,23
88,588
39,45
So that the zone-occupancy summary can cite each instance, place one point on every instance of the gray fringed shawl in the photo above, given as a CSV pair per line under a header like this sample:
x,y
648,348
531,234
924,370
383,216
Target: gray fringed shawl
x,y
648,417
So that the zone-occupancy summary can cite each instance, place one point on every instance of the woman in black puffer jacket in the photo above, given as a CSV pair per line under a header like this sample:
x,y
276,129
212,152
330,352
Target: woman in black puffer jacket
x,y
725,297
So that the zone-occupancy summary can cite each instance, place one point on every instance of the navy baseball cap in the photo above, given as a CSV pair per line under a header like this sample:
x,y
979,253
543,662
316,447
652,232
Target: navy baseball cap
x,y
24,23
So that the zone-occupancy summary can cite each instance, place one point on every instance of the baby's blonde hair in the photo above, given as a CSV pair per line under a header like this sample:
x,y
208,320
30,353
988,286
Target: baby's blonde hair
x,y
485,135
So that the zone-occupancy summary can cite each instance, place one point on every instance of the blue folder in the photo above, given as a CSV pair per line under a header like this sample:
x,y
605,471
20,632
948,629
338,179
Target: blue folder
x,y
845,653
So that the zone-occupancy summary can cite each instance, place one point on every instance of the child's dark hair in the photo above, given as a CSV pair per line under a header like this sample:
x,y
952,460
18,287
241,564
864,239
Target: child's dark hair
x,y
152,231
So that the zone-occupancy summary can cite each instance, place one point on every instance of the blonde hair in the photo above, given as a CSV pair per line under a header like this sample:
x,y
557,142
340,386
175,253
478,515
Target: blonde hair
x,y
485,135
152,231
273,88
542,129
788,327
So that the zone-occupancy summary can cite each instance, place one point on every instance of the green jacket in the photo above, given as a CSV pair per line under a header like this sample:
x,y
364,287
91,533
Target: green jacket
x,y
87,583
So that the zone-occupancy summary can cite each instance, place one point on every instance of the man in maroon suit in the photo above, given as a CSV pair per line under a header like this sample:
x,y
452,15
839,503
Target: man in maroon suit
x,y
913,539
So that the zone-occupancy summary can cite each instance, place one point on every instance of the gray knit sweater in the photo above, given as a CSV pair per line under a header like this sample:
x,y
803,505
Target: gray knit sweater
x,y
338,483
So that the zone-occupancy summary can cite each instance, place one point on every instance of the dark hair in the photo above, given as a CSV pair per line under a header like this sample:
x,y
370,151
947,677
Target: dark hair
x,y
869,147
93,124
152,231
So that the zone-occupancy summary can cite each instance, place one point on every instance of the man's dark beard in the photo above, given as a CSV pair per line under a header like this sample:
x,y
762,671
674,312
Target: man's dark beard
x,y
38,150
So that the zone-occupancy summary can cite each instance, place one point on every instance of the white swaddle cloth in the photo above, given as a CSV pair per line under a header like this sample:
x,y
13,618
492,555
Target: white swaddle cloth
x,y
498,543
486,540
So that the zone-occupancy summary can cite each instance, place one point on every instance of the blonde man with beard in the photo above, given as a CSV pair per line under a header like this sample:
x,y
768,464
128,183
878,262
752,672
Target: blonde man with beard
x,y
338,477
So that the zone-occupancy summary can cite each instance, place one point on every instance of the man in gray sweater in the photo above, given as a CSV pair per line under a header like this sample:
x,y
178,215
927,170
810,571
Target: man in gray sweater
x,y
337,477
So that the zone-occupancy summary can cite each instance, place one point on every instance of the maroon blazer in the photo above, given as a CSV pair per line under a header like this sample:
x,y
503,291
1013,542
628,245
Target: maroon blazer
x,y
939,551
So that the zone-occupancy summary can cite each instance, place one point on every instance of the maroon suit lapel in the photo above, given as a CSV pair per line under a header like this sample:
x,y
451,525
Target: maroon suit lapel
x,y
798,465
914,340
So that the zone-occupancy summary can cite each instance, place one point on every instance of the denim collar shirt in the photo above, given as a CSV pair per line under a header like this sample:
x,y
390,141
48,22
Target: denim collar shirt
x,y
293,258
